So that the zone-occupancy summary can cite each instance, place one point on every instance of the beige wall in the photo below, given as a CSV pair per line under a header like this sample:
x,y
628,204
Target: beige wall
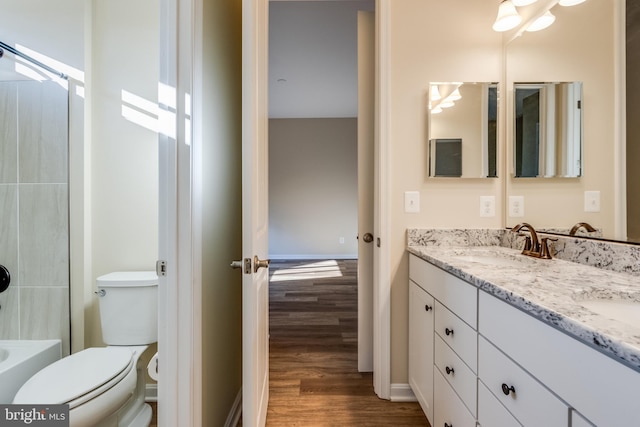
x,y
123,168
313,188
579,46
221,210
432,41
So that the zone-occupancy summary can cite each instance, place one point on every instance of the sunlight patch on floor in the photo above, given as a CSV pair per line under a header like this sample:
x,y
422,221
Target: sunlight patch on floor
x,y
312,270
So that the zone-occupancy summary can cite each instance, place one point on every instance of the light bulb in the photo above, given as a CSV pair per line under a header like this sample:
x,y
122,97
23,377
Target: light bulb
x,y
507,18
542,22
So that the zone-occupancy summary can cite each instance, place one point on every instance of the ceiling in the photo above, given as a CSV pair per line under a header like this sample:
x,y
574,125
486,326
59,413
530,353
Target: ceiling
x,y
313,58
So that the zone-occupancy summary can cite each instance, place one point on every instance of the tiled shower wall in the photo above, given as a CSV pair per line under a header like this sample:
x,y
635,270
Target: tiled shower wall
x,y
34,211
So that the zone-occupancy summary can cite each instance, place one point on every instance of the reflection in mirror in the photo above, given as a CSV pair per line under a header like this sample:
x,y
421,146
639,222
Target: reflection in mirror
x,y
548,130
463,120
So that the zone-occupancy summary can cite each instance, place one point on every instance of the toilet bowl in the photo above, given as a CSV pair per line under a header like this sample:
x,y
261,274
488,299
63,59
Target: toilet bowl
x,y
105,386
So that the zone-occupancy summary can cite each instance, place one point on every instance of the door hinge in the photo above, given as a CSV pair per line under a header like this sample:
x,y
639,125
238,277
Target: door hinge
x,y
579,104
161,268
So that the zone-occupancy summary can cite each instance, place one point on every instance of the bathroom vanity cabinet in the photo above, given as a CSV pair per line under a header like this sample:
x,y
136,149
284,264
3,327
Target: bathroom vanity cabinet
x,y
443,341
475,358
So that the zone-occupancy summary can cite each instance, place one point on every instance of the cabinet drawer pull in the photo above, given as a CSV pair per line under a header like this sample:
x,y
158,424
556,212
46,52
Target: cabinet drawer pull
x,y
448,331
506,389
449,370
428,307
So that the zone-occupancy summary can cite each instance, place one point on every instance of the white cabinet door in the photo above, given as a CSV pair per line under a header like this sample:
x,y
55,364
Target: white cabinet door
x,y
421,320
601,389
528,400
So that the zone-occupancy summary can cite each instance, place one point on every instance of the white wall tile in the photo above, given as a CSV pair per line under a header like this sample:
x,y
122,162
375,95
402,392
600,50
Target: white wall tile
x,y
8,133
10,314
43,132
44,235
44,314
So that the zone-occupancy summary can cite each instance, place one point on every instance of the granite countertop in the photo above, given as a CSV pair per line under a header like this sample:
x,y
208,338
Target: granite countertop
x,y
550,290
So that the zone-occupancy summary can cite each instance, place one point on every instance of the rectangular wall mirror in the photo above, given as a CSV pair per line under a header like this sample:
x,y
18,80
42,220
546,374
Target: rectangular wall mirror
x,y
463,121
548,130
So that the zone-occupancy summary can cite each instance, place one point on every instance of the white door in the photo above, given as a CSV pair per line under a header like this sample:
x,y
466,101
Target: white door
x,y
366,120
255,282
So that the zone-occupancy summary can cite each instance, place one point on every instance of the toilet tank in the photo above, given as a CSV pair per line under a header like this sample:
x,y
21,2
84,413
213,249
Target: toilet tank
x,y
128,307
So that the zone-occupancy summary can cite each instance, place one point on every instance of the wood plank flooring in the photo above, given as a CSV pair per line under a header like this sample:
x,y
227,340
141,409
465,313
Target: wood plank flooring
x,y
314,378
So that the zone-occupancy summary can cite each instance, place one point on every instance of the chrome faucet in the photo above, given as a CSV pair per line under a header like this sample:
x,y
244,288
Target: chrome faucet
x,y
533,247
579,225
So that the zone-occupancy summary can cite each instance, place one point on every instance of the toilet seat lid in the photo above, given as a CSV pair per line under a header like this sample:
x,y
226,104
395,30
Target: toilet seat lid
x,y
76,375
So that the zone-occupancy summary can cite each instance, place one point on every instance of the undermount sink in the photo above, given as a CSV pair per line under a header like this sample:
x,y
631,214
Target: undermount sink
x,y
624,311
493,260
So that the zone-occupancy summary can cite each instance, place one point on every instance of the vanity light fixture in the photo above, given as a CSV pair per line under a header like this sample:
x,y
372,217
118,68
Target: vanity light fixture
x,y
542,22
436,110
570,2
508,17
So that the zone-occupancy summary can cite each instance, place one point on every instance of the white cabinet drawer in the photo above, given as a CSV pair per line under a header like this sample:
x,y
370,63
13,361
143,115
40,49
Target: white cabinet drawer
x,y
457,373
530,402
448,408
600,388
460,296
491,413
458,335
421,320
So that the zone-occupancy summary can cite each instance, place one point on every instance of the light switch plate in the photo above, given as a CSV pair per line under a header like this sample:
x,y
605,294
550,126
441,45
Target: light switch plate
x,y
411,201
592,201
487,206
516,206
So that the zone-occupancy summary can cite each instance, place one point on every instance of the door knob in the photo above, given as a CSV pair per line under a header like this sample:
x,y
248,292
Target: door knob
x,y
368,237
260,263
236,264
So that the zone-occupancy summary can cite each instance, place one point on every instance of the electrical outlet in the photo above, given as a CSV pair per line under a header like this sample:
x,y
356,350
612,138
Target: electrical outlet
x,y
411,201
341,240
487,206
516,206
592,201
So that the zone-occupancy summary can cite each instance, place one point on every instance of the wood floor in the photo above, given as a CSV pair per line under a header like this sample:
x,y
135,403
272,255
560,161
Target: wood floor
x,y
314,378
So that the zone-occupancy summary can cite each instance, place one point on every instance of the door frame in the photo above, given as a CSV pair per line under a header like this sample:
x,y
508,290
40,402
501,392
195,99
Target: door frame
x,y
382,198
179,290
179,397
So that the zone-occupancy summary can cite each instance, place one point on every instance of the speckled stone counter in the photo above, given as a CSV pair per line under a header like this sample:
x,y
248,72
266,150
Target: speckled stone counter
x,y
550,290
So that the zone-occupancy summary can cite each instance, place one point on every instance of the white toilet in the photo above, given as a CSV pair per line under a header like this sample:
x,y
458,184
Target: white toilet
x,y
106,386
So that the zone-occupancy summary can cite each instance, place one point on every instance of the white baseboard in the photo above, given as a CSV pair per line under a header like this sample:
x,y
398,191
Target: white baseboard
x,y
314,256
236,411
151,393
402,393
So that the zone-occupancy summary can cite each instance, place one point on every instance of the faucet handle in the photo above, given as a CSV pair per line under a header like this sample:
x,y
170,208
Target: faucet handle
x,y
545,253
